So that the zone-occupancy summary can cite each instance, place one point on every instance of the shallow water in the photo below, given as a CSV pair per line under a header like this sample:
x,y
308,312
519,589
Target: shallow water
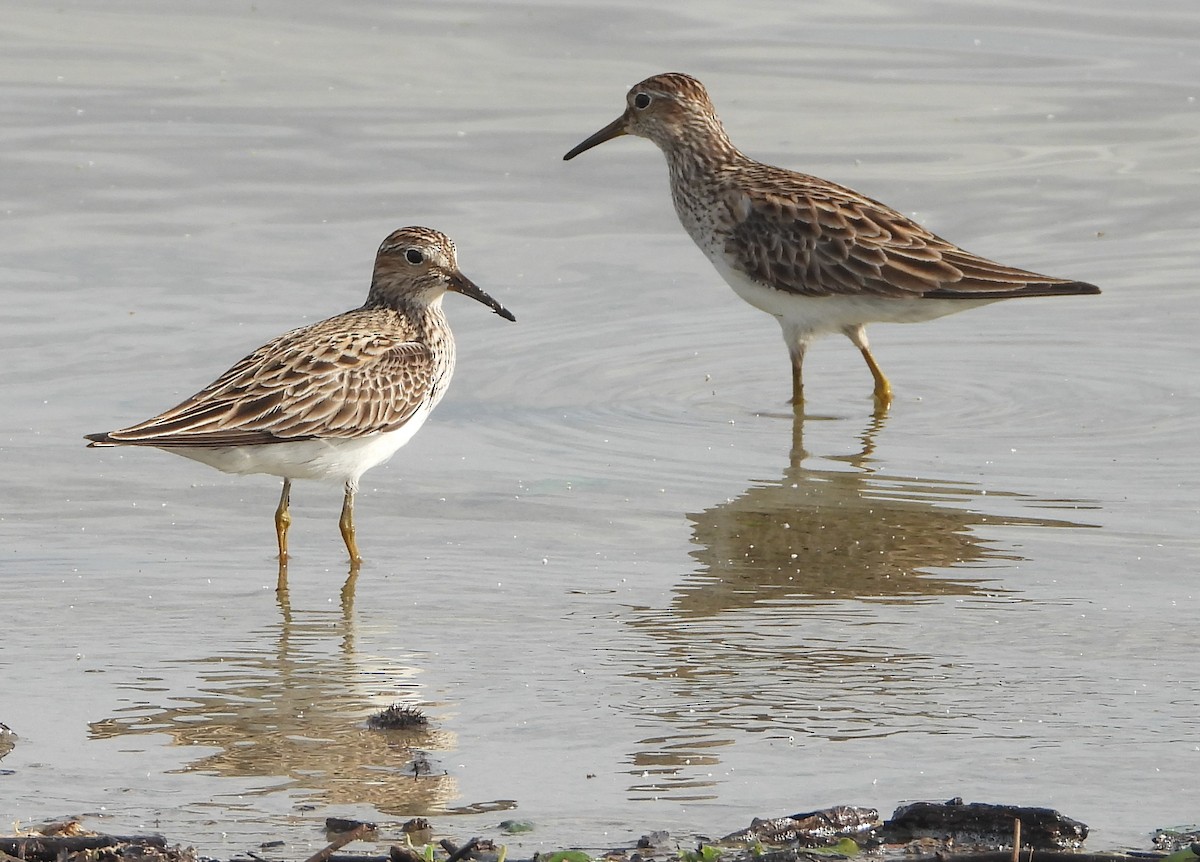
x,y
629,591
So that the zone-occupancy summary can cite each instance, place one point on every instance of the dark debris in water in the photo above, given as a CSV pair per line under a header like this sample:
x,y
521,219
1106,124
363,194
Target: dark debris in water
x,y
8,739
922,827
811,828
94,848
1177,838
398,717
982,826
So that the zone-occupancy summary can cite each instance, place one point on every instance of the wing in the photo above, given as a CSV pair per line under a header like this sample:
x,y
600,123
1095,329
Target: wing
x,y
811,237
332,379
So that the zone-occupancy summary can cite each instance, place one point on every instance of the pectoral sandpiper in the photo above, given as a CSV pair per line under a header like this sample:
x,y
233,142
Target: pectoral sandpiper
x,y
819,257
331,400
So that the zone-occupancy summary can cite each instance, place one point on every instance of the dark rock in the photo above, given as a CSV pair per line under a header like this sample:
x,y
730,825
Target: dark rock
x,y
1175,839
811,828
657,838
398,717
982,825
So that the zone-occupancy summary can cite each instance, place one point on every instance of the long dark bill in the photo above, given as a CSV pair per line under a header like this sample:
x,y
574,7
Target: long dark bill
x,y
459,283
613,130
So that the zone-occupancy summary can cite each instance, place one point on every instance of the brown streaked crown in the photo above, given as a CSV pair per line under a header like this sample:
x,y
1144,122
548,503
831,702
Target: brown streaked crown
x,y
418,265
674,110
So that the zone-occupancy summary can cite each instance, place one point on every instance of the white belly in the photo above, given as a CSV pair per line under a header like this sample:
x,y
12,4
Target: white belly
x,y
810,316
341,460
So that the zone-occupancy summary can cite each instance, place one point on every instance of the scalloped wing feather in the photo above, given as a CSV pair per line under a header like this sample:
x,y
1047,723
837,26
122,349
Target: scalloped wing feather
x,y
340,378
811,237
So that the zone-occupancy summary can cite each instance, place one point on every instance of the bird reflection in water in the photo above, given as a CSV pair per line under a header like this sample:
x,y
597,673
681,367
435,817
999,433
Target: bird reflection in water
x,y
290,703
800,619
818,535
348,588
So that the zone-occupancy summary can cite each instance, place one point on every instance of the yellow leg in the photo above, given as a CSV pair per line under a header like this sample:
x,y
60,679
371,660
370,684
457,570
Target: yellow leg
x,y
883,389
346,523
797,354
283,520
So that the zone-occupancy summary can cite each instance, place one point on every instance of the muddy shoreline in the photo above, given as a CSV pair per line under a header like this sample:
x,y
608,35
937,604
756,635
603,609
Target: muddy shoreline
x,y
951,831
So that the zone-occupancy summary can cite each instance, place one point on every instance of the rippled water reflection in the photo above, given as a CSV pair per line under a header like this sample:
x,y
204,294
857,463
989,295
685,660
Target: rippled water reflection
x,y
291,705
773,634
819,535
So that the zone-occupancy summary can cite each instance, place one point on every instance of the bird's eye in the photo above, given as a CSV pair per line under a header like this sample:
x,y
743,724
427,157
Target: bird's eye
x,y
641,100
414,257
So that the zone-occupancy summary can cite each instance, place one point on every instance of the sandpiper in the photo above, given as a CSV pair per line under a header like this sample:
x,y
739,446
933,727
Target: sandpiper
x,y
331,400
819,257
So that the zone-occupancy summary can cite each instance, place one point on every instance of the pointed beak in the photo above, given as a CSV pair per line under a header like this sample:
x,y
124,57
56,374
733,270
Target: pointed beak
x,y
615,129
459,283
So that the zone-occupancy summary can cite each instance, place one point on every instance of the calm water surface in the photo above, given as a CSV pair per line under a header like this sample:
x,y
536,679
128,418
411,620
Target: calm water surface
x,y
627,588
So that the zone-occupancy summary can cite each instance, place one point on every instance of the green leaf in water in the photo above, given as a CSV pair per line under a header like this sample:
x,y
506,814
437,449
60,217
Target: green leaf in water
x,y
706,853
566,856
845,847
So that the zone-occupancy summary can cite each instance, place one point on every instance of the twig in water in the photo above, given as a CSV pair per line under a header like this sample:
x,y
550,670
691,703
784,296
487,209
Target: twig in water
x,y
461,852
338,843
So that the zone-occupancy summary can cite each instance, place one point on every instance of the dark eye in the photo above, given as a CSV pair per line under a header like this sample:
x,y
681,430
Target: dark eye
x,y
414,257
641,100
